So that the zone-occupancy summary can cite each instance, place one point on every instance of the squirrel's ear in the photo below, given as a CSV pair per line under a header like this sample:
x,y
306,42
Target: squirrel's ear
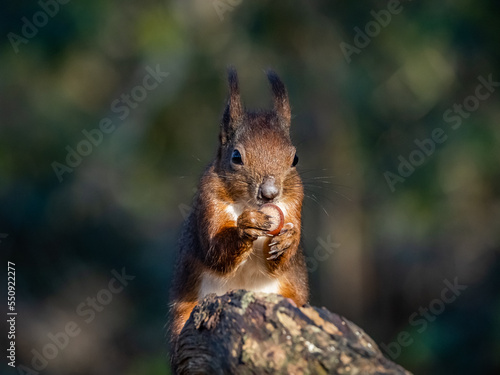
x,y
233,112
280,96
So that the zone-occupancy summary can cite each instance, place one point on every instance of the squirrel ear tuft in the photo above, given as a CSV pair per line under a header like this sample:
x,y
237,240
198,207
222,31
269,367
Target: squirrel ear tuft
x,y
280,96
233,112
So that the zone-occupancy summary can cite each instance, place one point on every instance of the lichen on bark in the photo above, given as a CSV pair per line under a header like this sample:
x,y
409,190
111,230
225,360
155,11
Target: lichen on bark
x,y
255,333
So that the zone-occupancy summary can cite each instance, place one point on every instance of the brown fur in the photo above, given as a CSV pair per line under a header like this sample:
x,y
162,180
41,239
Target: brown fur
x,y
215,242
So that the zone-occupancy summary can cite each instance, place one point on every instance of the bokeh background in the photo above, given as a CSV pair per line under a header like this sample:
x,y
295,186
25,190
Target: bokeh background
x,y
123,205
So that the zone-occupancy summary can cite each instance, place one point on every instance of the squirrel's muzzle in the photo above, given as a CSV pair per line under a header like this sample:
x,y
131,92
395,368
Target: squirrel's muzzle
x,y
268,189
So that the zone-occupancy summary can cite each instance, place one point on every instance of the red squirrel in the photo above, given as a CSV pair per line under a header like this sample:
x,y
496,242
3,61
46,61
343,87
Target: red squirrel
x,y
225,243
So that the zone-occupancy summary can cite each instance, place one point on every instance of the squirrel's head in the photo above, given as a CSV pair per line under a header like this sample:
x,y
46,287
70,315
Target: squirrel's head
x,y
256,157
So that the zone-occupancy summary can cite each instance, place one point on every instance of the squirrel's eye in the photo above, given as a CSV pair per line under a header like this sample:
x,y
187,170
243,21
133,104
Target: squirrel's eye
x,y
236,158
295,160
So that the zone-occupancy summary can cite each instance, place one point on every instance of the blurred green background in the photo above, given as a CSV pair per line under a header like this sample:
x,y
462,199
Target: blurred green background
x,y
123,204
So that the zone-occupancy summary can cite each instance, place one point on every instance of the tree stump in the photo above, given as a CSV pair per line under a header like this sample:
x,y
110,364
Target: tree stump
x,y
255,333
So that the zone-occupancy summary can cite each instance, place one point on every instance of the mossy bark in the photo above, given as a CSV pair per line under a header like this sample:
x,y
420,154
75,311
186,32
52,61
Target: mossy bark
x,y
252,333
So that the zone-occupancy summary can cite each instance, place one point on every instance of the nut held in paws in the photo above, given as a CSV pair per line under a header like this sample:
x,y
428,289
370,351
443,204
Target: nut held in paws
x,y
277,217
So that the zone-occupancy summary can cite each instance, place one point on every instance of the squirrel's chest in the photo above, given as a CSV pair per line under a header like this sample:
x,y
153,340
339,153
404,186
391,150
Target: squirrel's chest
x,y
251,275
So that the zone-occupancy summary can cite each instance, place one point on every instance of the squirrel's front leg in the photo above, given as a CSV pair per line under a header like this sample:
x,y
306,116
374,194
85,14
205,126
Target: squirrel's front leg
x,y
286,238
231,242
284,245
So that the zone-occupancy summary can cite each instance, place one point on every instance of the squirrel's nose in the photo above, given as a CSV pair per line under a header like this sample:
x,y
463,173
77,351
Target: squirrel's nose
x,y
268,189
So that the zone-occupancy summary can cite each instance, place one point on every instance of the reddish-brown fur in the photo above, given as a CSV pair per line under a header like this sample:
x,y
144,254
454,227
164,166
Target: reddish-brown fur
x,y
215,242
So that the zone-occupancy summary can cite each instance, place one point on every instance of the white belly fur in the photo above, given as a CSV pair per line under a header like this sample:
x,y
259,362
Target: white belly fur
x,y
251,274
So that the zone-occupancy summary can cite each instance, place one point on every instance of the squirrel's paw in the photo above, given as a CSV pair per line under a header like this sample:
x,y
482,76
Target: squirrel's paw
x,y
280,243
252,224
